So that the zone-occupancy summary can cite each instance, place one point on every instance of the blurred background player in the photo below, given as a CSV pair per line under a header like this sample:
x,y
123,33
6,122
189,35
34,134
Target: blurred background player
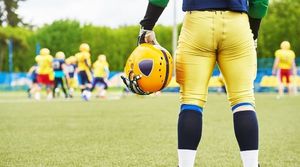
x,y
45,74
60,74
84,70
101,74
222,88
71,69
284,66
32,74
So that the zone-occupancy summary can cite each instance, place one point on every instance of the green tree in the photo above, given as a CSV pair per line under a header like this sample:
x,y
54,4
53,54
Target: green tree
x,y
1,13
62,35
8,12
20,38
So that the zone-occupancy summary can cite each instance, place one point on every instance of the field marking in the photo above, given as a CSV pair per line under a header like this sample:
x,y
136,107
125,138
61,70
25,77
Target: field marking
x,y
14,98
55,100
37,101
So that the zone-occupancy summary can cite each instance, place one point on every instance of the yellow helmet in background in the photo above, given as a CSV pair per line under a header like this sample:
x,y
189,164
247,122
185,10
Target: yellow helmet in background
x,y
60,55
84,47
148,69
44,51
285,45
102,58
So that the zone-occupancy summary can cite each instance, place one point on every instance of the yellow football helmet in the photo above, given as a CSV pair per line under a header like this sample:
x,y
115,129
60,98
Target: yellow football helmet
x,y
60,55
102,58
285,45
45,51
84,47
148,69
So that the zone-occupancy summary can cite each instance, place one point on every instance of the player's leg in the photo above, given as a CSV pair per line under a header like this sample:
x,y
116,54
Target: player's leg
x,y
29,90
62,83
37,94
94,83
194,66
103,88
86,80
280,84
72,86
105,85
49,82
34,86
81,80
237,62
288,82
49,87
54,90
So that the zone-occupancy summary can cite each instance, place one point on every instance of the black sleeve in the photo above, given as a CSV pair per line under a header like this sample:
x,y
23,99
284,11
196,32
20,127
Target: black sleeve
x,y
152,14
254,26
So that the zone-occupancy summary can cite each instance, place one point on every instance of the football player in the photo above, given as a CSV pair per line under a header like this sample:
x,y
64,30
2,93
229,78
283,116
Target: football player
x,y
214,31
222,87
285,64
101,73
32,74
60,73
71,69
45,74
84,70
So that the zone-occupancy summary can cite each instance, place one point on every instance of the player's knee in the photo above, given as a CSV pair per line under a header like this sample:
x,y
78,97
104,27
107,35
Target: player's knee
x,y
191,107
246,129
189,127
242,101
243,106
193,99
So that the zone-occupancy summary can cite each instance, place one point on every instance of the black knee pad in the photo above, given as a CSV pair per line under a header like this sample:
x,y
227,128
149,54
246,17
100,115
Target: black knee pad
x,y
246,130
189,129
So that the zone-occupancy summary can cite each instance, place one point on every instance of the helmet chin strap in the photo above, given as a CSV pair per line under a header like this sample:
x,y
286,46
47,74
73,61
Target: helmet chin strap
x,y
132,84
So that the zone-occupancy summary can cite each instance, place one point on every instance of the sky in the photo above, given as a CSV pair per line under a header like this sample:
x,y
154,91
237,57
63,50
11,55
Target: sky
x,y
112,13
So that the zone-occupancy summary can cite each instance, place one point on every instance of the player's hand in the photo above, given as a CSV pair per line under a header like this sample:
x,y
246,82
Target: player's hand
x,y
254,26
147,36
255,43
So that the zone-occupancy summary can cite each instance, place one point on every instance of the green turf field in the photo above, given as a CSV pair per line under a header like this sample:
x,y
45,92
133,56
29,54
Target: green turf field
x,y
137,132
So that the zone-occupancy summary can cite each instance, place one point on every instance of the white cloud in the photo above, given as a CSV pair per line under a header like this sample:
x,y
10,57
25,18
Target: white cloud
x,y
111,13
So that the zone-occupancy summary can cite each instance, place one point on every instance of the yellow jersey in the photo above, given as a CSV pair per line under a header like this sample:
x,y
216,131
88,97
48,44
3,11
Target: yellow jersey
x,y
83,61
44,63
101,69
286,58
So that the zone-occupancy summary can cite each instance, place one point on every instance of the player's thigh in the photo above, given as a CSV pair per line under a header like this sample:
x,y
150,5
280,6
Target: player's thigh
x,y
193,74
195,58
237,60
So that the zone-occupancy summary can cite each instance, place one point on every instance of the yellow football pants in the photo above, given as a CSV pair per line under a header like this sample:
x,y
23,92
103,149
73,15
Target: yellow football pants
x,y
210,37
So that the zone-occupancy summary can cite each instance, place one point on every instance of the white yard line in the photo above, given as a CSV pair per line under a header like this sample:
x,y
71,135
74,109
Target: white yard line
x,y
55,100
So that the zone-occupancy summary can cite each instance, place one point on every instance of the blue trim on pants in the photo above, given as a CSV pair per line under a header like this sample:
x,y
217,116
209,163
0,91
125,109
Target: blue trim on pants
x,y
241,104
191,107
